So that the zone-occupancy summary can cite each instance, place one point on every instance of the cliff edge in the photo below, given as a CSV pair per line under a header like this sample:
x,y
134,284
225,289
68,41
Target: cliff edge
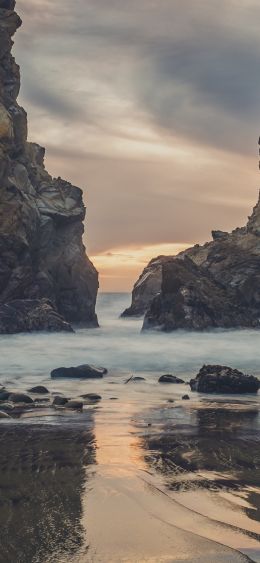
x,y
42,255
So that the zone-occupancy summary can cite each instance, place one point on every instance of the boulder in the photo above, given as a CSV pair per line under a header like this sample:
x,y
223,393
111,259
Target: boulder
x,y
4,395
59,401
185,398
29,315
20,398
167,378
84,371
39,389
92,397
223,379
74,405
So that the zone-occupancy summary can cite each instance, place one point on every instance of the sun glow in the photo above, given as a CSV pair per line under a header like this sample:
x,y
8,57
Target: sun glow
x,y
120,267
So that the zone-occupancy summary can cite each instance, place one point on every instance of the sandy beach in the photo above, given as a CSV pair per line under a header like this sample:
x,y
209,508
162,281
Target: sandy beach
x,y
140,476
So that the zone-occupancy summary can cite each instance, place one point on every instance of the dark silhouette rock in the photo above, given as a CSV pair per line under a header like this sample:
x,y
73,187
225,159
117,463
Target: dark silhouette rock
x,y
29,315
4,395
167,378
42,254
223,379
185,398
92,397
80,372
20,398
39,389
59,401
74,405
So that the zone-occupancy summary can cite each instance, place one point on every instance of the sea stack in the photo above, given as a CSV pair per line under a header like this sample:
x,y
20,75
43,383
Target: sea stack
x,y
216,285
42,255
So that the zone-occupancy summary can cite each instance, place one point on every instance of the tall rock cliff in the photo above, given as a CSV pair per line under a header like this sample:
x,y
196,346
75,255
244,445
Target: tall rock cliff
x,y
213,285
41,218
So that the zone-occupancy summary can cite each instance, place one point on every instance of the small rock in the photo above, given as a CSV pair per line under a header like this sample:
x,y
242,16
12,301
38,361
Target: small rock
x,y
20,398
138,378
60,401
91,397
113,398
167,378
185,398
4,415
74,404
4,395
84,371
170,401
39,389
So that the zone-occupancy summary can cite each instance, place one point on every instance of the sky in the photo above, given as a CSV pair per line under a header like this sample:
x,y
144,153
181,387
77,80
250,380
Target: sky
x,y
152,108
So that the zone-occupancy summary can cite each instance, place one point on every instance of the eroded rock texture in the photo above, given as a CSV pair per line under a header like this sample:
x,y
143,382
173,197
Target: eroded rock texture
x,y
41,218
213,285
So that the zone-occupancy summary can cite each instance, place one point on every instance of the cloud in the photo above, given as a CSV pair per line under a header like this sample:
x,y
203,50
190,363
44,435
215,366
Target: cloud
x,y
152,107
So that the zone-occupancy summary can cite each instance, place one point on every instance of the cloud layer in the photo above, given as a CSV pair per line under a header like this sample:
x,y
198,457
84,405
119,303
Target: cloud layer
x,y
151,106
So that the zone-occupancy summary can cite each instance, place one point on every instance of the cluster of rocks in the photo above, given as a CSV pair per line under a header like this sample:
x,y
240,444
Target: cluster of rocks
x,y
218,379
14,404
46,278
213,285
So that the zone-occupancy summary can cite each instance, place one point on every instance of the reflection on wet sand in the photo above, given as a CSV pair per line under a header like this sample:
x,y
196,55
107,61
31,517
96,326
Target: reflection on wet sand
x,y
42,480
209,461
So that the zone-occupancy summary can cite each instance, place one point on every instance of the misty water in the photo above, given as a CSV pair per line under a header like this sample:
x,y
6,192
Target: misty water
x,y
141,476
120,346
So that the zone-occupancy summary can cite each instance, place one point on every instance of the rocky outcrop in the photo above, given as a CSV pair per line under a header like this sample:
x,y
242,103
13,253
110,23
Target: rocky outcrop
x,y
213,285
223,379
146,287
30,315
41,218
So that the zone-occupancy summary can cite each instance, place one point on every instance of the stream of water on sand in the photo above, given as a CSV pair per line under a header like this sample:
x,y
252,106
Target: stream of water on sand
x,y
141,476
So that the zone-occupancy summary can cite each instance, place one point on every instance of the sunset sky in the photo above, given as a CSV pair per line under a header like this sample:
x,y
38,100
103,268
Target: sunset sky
x,y
152,108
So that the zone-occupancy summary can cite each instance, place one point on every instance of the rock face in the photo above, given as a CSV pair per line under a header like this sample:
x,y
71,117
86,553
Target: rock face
x,y
223,379
146,287
41,218
29,315
214,285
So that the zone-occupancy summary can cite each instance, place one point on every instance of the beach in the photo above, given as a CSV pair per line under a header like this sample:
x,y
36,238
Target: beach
x,y
141,475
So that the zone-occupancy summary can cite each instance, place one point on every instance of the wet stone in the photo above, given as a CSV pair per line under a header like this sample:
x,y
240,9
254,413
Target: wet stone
x,y
20,398
74,405
168,378
60,401
39,389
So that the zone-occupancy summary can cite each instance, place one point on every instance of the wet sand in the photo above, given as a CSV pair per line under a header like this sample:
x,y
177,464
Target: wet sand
x,y
132,479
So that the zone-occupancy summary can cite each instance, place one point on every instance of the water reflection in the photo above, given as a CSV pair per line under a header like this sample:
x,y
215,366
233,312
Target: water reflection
x,y
42,479
207,447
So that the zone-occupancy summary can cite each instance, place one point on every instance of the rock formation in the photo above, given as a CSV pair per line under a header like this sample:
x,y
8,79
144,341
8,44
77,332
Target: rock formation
x,y
213,285
223,379
41,218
